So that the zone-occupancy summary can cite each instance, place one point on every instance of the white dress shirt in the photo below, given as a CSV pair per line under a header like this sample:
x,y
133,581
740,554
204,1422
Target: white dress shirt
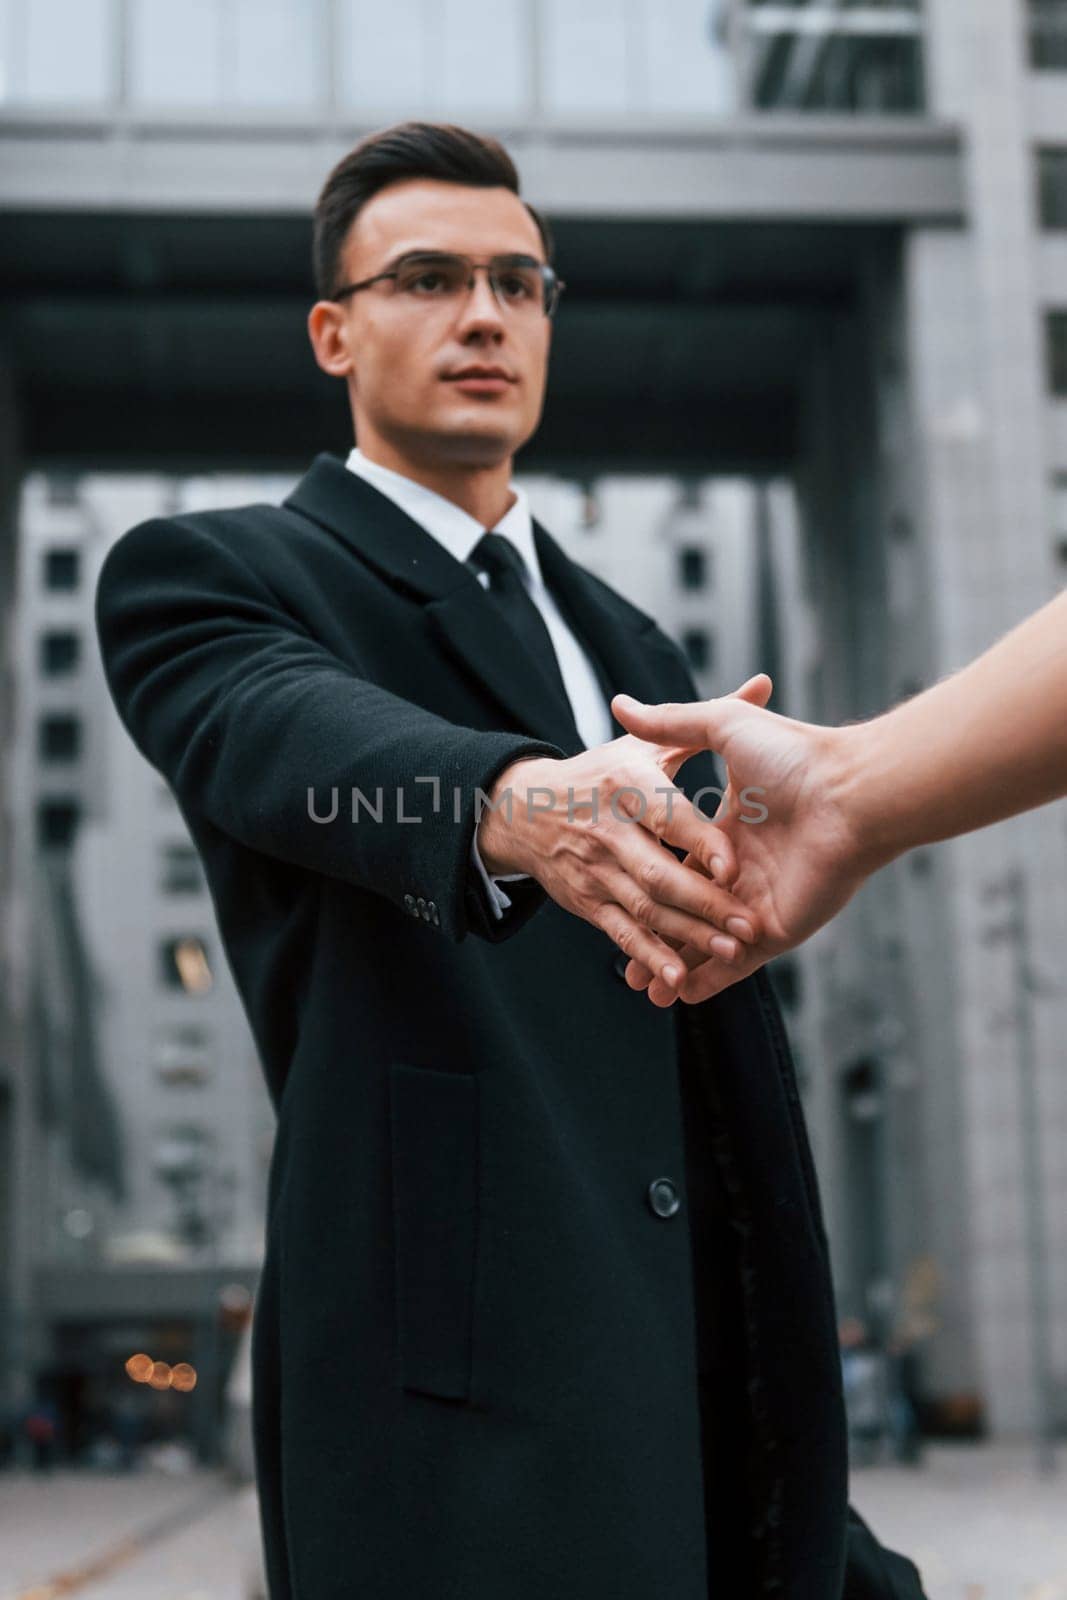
x,y
459,532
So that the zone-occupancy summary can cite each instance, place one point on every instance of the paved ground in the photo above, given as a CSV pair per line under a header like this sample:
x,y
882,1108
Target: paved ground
x,y
978,1520
137,1536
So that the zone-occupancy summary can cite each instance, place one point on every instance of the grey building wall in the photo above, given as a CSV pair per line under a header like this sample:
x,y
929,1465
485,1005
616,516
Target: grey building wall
x,y
189,1122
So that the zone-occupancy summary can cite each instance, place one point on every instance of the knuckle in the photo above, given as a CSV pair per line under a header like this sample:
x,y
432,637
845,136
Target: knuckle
x,y
652,876
643,908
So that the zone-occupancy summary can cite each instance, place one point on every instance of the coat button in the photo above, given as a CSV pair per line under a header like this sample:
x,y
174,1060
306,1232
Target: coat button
x,y
620,961
663,1197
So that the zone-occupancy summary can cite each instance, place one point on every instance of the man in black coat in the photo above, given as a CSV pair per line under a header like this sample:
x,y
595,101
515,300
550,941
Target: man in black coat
x,y
546,1309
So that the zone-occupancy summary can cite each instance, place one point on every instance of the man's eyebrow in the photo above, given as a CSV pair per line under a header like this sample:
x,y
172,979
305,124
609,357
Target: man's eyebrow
x,y
441,250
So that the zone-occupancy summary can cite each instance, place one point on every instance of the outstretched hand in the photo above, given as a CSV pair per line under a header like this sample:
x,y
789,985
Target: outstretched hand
x,y
784,810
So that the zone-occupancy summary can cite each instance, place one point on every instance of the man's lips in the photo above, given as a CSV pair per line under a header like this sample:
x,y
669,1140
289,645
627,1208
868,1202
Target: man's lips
x,y
481,380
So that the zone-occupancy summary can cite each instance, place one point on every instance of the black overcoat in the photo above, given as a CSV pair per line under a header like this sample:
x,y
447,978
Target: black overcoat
x,y
478,1365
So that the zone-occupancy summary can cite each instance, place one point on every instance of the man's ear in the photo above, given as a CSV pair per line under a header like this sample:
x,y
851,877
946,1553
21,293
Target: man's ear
x,y
329,334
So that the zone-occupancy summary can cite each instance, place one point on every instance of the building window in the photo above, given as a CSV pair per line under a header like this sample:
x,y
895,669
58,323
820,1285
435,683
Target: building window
x,y
61,566
1052,186
1056,351
835,57
183,1056
183,964
1048,35
697,645
57,822
58,737
180,869
182,1158
60,651
62,489
1059,515
692,566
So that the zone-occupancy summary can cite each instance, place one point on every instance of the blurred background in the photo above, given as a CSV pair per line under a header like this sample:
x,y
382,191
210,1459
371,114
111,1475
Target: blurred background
x,y
807,405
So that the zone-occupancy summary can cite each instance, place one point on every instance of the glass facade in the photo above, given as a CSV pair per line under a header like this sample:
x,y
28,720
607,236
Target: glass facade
x,y
603,60
811,55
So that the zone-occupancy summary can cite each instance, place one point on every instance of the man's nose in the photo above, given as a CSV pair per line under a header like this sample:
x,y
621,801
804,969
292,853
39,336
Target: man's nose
x,y
481,309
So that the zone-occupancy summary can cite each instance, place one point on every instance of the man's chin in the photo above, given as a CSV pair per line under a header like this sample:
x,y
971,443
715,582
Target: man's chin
x,y
476,442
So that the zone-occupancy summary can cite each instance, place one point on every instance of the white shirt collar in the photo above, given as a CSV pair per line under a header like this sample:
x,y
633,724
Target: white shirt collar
x,y
455,528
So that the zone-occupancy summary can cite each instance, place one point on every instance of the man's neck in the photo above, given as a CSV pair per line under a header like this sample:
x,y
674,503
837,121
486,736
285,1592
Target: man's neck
x,y
485,493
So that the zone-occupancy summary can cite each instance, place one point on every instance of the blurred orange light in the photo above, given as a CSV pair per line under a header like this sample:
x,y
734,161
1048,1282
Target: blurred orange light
x,y
183,1377
159,1377
139,1366
191,962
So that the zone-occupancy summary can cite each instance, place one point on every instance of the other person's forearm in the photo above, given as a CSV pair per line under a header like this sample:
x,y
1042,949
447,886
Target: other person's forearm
x,y
984,744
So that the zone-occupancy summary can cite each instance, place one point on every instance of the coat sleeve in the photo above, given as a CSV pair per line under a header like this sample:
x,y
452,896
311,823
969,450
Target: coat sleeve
x,y
258,727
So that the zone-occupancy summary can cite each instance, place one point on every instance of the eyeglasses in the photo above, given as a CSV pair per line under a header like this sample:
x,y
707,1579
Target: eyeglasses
x,y
521,284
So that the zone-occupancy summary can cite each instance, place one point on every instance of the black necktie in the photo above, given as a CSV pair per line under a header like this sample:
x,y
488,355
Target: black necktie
x,y
498,556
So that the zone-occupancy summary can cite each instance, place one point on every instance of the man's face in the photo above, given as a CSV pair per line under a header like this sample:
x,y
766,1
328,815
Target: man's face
x,y
406,351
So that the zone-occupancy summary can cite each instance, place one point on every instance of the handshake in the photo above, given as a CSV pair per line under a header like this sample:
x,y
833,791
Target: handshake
x,y
809,812
783,852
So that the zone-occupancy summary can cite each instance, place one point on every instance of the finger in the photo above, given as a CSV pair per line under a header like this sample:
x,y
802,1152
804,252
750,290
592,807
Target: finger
x,y
709,936
707,978
757,690
693,724
712,977
639,942
639,976
679,902
690,725
671,816
668,805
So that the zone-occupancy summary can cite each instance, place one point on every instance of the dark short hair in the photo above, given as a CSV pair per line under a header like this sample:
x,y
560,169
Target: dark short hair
x,y
405,150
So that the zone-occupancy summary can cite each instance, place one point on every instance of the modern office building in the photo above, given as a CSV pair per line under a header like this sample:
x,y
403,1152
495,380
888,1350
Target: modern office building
x,y
813,244
141,1144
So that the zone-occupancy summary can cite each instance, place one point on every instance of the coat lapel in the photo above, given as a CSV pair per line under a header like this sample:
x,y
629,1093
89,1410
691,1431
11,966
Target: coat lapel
x,y
634,654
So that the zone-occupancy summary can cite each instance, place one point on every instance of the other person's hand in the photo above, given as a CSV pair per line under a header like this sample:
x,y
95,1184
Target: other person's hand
x,y
798,851
592,829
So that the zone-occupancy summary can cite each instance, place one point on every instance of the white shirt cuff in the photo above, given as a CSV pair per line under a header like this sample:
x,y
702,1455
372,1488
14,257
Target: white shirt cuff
x,y
499,901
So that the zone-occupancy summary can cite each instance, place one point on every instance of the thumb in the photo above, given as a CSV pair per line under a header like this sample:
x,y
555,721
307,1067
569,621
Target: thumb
x,y
691,724
757,690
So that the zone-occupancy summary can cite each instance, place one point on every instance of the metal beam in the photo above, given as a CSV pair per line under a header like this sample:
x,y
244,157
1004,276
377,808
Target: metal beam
x,y
767,167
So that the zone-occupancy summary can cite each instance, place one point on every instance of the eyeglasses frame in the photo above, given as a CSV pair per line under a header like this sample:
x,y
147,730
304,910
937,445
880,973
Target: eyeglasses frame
x,y
553,284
